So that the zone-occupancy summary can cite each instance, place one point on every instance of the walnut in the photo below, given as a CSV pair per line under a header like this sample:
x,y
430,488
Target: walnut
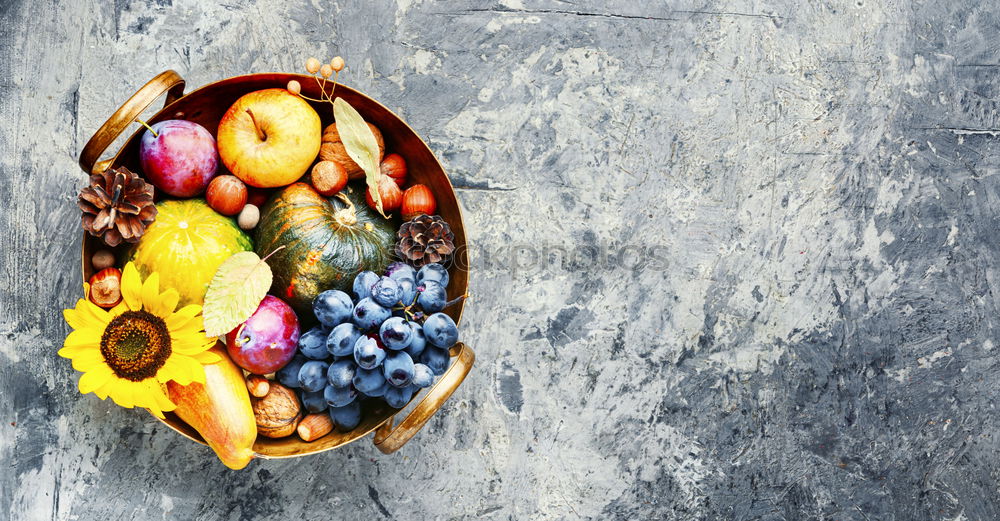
x,y
278,412
333,149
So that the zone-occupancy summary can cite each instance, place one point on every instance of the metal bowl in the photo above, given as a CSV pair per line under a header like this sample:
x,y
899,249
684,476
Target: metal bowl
x,y
206,106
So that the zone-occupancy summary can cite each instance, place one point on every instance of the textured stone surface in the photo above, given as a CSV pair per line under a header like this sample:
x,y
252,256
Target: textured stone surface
x,y
802,326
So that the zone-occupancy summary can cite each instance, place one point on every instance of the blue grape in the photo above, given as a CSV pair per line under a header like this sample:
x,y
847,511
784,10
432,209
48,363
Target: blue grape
x,y
380,391
289,375
332,307
312,344
398,369
398,397
367,353
432,298
368,381
341,372
400,271
368,314
346,417
435,272
341,340
339,396
441,330
422,376
435,359
313,402
312,376
417,340
363,283
385,292
407,291
395,333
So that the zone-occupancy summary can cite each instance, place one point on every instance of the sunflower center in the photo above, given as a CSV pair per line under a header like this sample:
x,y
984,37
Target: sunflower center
x,y
135,345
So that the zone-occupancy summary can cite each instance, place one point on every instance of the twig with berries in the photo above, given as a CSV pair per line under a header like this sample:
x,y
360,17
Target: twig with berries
x,y
325,70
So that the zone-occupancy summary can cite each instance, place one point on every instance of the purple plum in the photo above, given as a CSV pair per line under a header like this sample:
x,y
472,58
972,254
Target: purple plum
x,y
267,340
178,157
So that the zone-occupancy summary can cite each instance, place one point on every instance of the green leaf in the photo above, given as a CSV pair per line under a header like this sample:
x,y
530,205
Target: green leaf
x,y
360,143
236,290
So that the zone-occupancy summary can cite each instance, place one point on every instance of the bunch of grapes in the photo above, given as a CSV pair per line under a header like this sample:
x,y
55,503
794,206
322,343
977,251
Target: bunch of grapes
x,y
388,342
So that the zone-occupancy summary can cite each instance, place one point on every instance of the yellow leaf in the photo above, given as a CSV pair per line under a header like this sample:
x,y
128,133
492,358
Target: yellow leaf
x,y
361,146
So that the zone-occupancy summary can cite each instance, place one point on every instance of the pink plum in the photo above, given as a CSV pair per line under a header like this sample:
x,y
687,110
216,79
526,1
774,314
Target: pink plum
x,y
267,340
180,158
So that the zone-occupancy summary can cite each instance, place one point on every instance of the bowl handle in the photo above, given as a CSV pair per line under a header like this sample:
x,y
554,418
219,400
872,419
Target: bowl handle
x,y
389,439
167,81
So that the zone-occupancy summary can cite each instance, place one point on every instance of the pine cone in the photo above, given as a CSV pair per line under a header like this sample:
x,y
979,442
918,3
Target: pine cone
x,y
117,205
425,239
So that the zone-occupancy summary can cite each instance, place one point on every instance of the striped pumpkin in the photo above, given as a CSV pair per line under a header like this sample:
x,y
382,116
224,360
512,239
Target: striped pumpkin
x,y
326,241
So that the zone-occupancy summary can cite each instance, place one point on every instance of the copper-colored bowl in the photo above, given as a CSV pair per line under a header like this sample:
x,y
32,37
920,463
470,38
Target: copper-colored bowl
x,y
206,106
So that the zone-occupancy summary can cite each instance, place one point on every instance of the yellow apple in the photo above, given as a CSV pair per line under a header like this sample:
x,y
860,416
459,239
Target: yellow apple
x,y
269,138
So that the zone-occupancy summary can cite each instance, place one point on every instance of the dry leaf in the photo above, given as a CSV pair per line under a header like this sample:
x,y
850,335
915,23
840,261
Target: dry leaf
x,y
360,144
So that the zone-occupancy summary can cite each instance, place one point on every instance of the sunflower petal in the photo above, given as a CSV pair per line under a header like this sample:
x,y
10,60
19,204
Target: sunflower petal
x,y
151,291
153,399
86,315
89,338
182,316
123,394
88,360
158,400
191,329
166,303
76,318
102,391
207,358
191,344
92,380
182,369
118,310
131,287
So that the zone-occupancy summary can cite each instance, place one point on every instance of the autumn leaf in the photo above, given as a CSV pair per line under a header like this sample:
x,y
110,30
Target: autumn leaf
x,y
237,288
361,146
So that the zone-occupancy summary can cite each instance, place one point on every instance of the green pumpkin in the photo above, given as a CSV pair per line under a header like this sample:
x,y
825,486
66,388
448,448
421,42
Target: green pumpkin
x,y
326,241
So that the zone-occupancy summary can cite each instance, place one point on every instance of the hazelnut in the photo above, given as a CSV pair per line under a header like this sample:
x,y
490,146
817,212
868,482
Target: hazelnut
x,y
102,259
278,412
328,177
258,385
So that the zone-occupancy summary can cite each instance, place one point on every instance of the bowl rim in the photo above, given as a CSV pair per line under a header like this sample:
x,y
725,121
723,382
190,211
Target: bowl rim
x,y
281,79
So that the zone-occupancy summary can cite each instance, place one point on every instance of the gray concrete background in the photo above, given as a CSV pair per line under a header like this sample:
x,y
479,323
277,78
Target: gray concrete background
x,y
812,183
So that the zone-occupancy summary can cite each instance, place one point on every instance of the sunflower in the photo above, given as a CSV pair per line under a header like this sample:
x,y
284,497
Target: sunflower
x,y
130,351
